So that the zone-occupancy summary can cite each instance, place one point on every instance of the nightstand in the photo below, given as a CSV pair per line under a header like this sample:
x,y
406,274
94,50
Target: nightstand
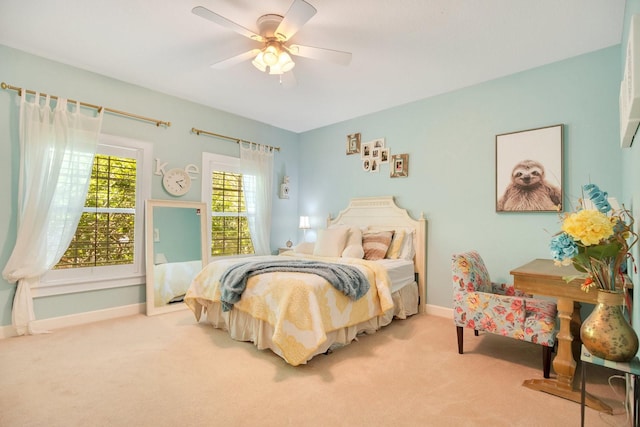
x,y
281,250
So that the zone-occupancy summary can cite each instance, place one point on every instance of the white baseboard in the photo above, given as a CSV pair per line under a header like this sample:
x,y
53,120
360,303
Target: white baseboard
x,y
437,310
133,309
79,319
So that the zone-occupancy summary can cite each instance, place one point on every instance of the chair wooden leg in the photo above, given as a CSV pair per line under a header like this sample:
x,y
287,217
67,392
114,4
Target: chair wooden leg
x,y
546,360
460,332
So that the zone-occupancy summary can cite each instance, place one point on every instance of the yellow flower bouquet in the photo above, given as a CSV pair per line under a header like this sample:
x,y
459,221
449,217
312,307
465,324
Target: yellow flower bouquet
x,y
596,239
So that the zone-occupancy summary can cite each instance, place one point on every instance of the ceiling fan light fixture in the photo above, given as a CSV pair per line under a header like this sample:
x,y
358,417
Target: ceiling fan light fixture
x,y
285,62
271,54
259,63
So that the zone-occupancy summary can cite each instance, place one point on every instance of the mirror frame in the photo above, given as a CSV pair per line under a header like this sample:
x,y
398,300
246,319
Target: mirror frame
x,y
149,252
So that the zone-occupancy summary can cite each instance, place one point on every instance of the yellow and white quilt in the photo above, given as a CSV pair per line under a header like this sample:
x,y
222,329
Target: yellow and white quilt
x,y
301,307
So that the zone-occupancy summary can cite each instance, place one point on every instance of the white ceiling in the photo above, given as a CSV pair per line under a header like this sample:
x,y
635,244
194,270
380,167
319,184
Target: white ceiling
x,y
403,50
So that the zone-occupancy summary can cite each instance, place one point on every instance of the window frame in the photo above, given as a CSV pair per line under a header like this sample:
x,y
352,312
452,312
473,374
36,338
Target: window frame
x,y
69,280
211,162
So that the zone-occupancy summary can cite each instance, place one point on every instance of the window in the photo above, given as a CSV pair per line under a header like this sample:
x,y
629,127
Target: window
x,y
105,233
224,194
107,249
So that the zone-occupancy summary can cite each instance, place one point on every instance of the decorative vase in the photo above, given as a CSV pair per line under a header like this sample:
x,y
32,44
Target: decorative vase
x,y
606,333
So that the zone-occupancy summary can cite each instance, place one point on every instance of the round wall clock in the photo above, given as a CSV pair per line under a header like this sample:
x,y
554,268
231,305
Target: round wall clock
x,y
177,182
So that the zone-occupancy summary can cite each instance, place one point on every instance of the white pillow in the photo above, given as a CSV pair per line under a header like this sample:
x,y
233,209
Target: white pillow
x,y
408,251
355,236
355,233
353,251
331,242
353,246
304,248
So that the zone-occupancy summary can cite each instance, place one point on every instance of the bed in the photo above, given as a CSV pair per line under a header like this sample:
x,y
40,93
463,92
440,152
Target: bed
x,y
298,315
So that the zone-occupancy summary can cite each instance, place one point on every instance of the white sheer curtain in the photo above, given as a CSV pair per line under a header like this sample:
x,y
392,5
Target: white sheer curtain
x,y
256,166
56,156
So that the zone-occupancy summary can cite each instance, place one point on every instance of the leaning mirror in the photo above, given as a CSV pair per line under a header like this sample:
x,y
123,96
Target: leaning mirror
x,y
175,234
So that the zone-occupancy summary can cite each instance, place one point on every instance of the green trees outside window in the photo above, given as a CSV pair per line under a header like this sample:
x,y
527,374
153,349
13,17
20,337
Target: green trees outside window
x,y
105,233
229,226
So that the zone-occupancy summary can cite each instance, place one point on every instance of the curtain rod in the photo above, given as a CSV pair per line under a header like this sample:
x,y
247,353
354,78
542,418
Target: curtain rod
x,y
238,140
97,107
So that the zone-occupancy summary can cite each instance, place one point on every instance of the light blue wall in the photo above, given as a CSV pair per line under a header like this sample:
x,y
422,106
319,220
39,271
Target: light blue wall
x,y
630,167
175,144
451,143
177,229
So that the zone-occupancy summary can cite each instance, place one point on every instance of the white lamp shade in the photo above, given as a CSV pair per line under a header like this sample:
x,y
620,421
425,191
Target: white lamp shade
x,y
285,62
258,62
273,60
270,55
304,222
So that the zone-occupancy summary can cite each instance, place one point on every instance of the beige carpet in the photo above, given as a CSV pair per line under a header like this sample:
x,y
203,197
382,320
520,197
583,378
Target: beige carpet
x,y
168,371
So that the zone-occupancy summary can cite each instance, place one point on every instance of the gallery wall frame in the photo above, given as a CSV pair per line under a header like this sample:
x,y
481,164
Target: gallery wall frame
x,y
399,166
353,143
529,170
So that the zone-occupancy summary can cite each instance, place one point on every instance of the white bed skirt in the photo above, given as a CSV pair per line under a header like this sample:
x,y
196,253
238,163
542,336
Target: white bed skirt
x,y
242,327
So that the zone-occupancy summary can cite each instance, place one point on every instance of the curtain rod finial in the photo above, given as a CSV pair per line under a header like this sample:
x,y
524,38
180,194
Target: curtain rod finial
x,y
4,85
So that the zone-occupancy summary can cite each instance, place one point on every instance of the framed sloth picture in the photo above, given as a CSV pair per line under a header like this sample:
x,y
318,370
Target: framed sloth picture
x,y
529,170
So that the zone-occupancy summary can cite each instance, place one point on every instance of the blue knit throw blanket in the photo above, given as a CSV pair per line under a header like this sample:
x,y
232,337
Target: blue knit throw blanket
x,y
345,278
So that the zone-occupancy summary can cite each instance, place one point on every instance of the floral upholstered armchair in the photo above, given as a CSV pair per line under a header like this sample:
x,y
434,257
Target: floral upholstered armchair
x,y
500,309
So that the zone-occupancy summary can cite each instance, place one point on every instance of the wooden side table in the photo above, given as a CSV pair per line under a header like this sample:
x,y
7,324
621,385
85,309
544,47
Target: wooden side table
x,y
632,368
542,277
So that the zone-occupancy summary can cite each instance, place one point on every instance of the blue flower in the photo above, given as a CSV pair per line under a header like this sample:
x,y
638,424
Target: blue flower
x,y
598,197
563,247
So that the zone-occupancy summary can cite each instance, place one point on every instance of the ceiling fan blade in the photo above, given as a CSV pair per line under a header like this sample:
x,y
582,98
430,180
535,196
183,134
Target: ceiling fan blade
x,y
229,62
221,20
298,14
335,56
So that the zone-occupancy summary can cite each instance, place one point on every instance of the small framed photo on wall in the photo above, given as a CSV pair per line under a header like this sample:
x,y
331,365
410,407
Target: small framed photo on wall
x,y
366,150
529,170
399,166
353,143
384,155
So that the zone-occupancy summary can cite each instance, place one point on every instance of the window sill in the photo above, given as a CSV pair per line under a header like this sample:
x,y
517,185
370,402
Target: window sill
x,y
61,287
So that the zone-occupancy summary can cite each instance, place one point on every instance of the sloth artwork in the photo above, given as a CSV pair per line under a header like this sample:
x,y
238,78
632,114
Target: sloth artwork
x,y
529,191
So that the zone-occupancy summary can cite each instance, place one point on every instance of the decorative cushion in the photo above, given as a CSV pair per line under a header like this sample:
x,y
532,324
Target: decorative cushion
x,y
396,244
408,251
355,236
376,244
331,242
353,251
304,248
353,246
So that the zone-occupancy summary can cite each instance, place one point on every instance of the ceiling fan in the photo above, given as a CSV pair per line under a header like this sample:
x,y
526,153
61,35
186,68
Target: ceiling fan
x,y
274,33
